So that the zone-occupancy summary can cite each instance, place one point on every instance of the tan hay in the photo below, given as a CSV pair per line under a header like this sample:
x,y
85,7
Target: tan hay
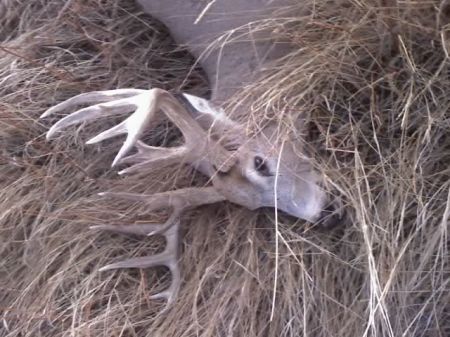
x,y
371,82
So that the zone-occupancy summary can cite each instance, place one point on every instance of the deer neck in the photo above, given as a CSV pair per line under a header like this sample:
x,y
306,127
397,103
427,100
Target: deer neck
x,y
235,59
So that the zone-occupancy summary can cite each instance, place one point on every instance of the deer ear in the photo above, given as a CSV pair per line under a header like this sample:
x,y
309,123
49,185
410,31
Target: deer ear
x,y
204,106
213,118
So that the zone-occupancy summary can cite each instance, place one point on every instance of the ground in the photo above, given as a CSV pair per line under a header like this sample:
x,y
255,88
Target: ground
x,y
369,78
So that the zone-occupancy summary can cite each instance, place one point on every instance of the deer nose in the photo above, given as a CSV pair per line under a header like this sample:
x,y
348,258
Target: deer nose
x,y
330,216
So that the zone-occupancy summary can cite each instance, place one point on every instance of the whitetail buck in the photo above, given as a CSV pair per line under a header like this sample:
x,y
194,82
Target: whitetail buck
x,y
257,171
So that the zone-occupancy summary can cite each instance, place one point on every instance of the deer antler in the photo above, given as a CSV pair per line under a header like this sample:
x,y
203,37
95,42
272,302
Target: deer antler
x,y
146,103
198,148
179,201
168,258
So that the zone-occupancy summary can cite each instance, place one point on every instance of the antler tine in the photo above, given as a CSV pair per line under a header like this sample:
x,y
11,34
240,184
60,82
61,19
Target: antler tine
x,y
152,157
93,112
92,97
168,258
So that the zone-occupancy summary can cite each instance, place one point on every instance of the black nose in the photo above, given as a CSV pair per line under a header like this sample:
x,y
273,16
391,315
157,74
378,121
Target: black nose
x,y
330,216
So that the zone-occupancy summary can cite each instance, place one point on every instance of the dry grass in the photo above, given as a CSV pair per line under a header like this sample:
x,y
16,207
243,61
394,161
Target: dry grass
x,y
372,83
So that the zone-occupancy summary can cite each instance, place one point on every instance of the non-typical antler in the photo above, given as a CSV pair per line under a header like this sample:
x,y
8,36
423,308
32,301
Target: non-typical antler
x,y
198,149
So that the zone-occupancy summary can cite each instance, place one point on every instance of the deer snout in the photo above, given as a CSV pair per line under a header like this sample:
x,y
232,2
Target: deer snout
x,y
305,202
330,216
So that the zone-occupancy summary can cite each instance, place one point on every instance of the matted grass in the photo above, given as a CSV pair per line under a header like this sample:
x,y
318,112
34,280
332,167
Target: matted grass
x,y
370,80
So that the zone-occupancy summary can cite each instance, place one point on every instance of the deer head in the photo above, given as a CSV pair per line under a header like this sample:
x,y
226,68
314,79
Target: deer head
x,y
257,171
270,174
265,168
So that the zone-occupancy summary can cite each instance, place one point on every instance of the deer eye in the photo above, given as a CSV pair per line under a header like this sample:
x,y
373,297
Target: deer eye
x,y
261,166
